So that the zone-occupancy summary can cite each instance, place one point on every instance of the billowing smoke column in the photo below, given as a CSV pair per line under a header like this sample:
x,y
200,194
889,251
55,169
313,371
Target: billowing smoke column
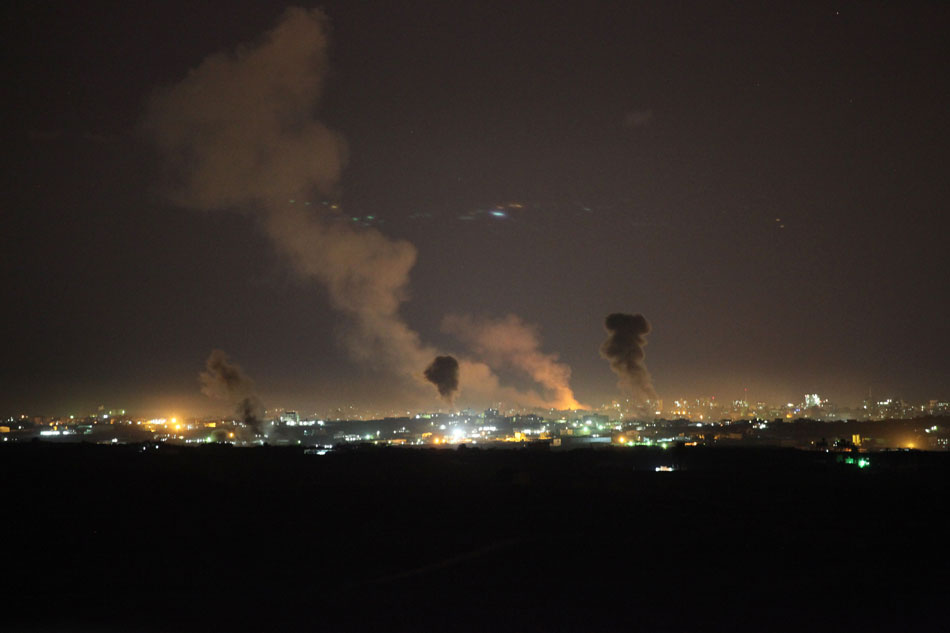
x,y
510,341
624,350
238,132
443,372
225,380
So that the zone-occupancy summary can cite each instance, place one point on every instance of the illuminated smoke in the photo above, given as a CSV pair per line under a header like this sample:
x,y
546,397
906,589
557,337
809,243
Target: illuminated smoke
x,y
624,350
443,372
239,133
238,130
225,380
509,341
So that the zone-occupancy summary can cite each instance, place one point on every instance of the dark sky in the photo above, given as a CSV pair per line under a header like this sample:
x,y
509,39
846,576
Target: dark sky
x,y
766,182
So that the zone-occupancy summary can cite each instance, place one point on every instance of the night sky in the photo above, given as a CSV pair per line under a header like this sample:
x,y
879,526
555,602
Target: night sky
x,y
765,182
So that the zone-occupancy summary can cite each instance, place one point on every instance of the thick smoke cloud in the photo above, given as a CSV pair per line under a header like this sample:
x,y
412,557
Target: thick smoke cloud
x,y
443,372
509,341
238,129
624,350
225,380
239,133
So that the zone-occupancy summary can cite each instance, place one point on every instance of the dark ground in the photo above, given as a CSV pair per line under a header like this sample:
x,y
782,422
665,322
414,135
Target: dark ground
x,y
216,538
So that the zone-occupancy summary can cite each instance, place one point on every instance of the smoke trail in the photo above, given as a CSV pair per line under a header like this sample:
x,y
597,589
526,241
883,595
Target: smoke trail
x,y
238,132
444,374
510,341
225,380
624,350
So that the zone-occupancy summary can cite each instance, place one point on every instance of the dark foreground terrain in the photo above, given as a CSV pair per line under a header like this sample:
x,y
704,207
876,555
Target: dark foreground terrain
x,y
130,538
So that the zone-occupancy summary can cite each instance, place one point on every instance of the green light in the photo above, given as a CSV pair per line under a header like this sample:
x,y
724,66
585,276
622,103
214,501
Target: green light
x,y
863,463
849,460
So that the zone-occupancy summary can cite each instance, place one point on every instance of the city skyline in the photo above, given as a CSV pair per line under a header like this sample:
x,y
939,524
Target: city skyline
x,y
705,408
488,181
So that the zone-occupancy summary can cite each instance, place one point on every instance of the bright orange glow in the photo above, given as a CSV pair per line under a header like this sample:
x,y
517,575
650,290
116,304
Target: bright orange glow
x,y
566,401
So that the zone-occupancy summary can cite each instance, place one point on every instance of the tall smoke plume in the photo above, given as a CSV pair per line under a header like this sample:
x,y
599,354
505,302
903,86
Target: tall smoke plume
x,y
225,380
510,341
443,372
624,350
238,132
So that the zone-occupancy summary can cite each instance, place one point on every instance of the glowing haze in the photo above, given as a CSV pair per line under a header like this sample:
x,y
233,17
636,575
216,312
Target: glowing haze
x,y
239,133
509,341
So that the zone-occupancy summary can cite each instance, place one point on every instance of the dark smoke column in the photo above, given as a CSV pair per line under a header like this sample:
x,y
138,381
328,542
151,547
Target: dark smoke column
x,y
225,380
624,350
443,372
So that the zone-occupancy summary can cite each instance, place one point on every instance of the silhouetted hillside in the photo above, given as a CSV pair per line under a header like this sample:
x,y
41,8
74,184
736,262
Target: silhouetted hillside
x,y
219,538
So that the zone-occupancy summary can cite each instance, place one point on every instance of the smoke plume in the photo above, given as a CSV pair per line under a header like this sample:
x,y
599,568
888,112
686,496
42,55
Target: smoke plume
x,y
443,372
225,380
239,133
624,350
511,342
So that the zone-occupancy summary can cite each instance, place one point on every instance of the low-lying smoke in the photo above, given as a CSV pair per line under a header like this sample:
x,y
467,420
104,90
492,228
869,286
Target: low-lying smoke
x,y
225,380
623,349
443,372
511,342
